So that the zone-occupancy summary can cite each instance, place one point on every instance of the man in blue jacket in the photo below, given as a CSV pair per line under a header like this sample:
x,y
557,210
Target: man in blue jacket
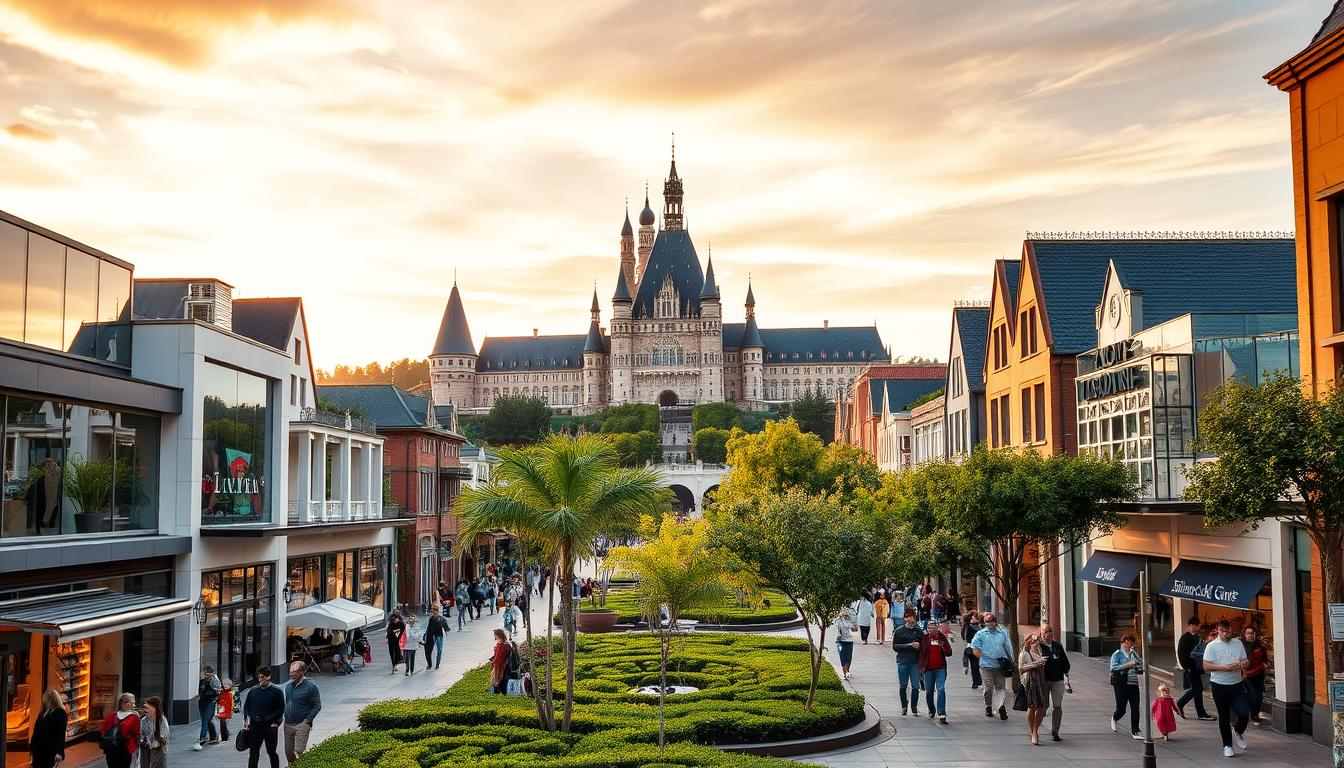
x,y
263,712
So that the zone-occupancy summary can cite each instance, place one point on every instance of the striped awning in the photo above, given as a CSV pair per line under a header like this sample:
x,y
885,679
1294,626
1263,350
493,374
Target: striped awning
x,y
79,615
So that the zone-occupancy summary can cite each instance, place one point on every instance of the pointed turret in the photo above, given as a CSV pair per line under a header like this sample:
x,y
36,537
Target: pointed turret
x,y
454,334
622,294
711,289
626,229
594,341
595,308
751,335
751,300
672,195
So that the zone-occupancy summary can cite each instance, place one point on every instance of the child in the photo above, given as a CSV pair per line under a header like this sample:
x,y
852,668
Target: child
x,y
224,709
511,619
1164,711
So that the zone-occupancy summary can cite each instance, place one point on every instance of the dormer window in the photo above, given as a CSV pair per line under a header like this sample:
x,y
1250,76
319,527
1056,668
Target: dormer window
x,y
665,303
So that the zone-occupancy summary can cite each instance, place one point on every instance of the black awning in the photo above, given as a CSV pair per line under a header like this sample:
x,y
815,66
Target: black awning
x,y
73,616
1231,586
1112,569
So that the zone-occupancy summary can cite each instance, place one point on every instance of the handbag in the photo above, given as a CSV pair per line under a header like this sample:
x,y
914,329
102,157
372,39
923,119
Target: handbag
x,y
243,741
1020,698
1006,665
1119,678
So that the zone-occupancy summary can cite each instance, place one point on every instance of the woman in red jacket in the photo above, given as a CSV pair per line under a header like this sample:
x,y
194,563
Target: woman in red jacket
x,y
934,652
125,721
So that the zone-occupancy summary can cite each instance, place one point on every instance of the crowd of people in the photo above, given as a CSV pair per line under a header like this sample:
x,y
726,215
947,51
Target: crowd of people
x,y
920,621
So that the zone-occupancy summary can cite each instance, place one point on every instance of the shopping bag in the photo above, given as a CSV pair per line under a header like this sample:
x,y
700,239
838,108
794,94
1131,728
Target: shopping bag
x,y
243,740
1020,699
514,687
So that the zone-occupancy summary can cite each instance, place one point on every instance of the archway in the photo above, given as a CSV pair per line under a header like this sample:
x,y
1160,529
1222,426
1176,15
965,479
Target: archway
x,y
668,397
708,497
684,504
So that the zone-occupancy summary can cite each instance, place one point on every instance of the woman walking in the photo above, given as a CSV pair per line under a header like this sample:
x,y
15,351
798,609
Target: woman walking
x,y
396,634
410,640
126,754
1031,665
933,655
864,614
47,746
154,734
844,640
1125,670
881,610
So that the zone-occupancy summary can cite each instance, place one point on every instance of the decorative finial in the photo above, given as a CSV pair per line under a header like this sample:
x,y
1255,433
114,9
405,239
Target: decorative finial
x,y
674,146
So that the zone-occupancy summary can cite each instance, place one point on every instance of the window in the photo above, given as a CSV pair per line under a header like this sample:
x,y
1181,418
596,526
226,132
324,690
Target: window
x,y
340,572
994,423
1024,346
303,392
1026,416
46,284
426,493
293,389
1003,420
1038,398
1031,329
13,278
298,352
237,431
373,576
236,635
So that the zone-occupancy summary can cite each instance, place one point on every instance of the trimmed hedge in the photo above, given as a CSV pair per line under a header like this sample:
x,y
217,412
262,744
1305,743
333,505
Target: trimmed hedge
x,y
752,690
623,602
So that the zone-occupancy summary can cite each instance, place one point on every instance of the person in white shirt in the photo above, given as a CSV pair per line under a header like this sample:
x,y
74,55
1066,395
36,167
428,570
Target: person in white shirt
x,y
863,614
1225,661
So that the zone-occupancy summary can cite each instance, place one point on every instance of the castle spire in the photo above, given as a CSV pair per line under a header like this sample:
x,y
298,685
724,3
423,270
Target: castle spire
x,y
454,334
711,289
672,195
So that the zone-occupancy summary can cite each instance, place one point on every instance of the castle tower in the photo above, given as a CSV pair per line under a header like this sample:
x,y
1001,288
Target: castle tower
x,y
628,248
594,361
452,363
621,358
711,338
672,194
753,355
646,222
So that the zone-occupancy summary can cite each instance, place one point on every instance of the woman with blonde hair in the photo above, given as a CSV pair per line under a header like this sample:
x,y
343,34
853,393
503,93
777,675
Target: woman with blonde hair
x,y
153,735
126,752
47,745
1031,665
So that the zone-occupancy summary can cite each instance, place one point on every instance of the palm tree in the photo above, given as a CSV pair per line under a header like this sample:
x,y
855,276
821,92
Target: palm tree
x,y
676,574
561,495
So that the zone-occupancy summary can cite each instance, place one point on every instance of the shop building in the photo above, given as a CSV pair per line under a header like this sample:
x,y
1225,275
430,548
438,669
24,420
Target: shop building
x,y
88,541
965,387
1314,81
874,414
1139,392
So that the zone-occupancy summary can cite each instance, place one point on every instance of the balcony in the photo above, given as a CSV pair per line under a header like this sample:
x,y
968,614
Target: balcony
x,y
342,421
322,513
336,475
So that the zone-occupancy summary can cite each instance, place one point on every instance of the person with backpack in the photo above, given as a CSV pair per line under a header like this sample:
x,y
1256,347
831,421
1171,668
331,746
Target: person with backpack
x,y
499,663
120,739
477,597
208,689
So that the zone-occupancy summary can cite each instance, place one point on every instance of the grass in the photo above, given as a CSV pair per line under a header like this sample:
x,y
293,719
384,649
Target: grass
x,y
623,602
752,690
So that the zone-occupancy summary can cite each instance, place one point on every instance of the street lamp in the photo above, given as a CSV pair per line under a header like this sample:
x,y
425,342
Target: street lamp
x,y
198,611
1149,755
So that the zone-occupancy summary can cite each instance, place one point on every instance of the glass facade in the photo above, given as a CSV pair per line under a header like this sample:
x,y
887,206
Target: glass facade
x,y
354,574
237,438
70,468
63,298
239,620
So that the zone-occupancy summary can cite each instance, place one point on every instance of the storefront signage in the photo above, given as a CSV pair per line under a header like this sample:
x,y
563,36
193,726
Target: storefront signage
x,y
1204,592
1112,569
1112,355
1112,383
1337,622
1230,586
1337,696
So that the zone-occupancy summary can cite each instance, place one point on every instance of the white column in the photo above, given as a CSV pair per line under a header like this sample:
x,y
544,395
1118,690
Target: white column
x,y
371,489
343,486
320,473
303,493
1287,662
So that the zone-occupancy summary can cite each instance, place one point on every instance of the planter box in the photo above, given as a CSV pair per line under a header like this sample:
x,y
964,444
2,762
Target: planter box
x,y
594,622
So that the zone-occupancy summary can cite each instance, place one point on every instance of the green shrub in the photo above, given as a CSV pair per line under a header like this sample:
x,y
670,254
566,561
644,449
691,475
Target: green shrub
x,y
780,610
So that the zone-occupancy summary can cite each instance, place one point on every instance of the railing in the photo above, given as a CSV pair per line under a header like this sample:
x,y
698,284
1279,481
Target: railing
x,y
333,512
357,510
338,420
693,468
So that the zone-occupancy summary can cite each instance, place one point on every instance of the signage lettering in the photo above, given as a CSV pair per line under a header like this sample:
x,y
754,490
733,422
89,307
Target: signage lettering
x,y
1111,383
1112,355
1106,574
1205,591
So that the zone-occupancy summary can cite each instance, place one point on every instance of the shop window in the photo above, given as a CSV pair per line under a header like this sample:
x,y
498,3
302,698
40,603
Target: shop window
x,y
1038,409
373,576
13,276
305,581
239,620
340,574
237,435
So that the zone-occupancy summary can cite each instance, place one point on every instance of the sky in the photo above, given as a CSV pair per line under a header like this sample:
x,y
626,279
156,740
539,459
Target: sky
x,y
861,161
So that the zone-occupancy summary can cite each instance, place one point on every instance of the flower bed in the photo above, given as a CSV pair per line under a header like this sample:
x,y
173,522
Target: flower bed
x,y
623,602
752,690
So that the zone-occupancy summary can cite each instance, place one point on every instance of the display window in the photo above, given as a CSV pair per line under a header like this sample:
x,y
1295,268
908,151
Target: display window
x,y
239,622
236,431
1259,617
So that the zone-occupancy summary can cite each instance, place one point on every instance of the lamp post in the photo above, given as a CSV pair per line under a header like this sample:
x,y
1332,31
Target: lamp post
x,y
1149,755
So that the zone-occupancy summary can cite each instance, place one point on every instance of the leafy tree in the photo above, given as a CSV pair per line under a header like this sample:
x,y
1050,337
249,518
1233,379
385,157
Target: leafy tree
x,y
635,449
814,412
630,417
755,421
515,420
817,552
782,457
710,445
677,572
405,373
723,416
1280,455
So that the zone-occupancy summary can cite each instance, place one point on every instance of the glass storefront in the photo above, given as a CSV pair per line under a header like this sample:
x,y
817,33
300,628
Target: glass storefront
x,y
237,437
63,298
239,620
1118,609
70,468
354,574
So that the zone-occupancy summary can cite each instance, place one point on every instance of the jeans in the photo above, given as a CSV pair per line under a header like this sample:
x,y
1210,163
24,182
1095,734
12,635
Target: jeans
x,y
1230,700
438,651
1255,694
1194,689
1127,696
462,610
262,735
908,675
973,662
935,685
207,722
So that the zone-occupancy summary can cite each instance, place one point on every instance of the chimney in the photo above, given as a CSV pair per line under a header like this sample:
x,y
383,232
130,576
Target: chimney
x,y
825,325
534,333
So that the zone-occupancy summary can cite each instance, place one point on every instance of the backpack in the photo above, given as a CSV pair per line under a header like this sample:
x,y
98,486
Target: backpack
x,y
511,664
111,741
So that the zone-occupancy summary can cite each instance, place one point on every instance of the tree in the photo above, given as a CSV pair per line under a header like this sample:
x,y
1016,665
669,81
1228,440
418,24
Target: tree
x,y
515,420
630,417
811,548
563,495
815,413
723,416
635,449
676,572
1280,455
782,457
998,508
710,445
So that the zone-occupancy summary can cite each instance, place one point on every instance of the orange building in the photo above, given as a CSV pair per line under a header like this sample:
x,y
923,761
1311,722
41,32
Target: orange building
x,y
1314,82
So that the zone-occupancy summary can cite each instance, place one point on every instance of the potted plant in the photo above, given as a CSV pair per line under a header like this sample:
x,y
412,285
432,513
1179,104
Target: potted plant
x,y
88,485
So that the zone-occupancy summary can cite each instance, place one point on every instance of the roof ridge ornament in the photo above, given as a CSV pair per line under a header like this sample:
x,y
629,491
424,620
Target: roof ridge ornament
x,y
1221,234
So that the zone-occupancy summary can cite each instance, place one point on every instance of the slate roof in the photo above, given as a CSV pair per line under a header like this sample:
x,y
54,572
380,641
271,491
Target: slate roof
x,y
1176,277
711,289
593,342
786,345
269,321
973,327
1012,272
386,406
673,257
1332,22
622,292
160,299
522,354
901,392
454,334
751,334
626,229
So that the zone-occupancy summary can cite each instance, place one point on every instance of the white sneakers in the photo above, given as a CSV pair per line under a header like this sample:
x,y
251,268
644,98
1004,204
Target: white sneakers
x,y
1113,728
197,747
1136,736
1241,741
1227,751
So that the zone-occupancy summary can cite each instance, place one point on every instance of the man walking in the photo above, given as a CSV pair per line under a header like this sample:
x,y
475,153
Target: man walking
x,y
1190,655
302,703
435,629
263,712
995,651
1056,677
905,641
1225,661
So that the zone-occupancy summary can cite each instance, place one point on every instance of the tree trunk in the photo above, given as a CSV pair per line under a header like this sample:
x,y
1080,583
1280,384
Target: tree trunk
x,y
550,652
567,611
527,630
662,691
818,659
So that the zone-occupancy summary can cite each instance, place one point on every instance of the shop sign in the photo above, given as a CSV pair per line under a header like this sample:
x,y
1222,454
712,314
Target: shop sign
x,y
1115,354
1337,696
1230,586
1112,383
1337,622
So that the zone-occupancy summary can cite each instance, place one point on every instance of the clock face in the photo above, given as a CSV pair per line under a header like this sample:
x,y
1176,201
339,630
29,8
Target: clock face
x,y
1114,311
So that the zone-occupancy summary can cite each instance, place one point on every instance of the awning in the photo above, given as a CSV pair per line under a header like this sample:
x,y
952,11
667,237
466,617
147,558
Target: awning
x,y
1112,569
338,613
79,615
1231,586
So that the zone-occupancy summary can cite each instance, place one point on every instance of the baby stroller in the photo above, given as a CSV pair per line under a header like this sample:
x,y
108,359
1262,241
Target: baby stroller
x,y
363,651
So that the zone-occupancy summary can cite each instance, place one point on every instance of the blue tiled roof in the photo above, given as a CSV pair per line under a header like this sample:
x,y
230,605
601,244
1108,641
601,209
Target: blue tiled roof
x,y
1176,277
383,404
673,257
454,335
593,342
1012,272
973,327
901,392
520,354
806,345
